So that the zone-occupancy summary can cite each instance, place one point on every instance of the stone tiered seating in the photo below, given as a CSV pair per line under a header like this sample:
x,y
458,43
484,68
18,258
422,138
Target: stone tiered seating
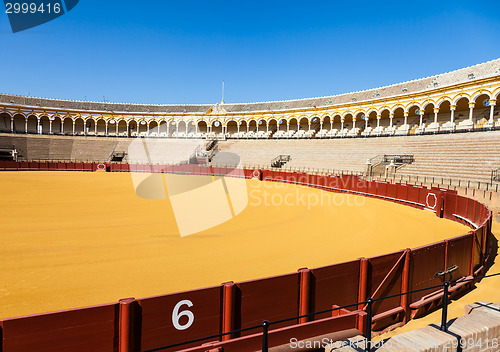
x,y
466,156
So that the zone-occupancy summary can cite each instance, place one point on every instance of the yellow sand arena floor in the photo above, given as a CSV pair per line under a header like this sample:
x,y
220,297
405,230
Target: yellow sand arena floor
x,y
71,239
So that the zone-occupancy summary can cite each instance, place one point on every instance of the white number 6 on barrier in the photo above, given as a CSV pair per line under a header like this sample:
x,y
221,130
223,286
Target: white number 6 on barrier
x,y
176,315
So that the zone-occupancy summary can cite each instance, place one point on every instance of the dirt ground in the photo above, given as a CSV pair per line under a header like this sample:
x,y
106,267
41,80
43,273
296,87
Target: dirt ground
x,y
73,239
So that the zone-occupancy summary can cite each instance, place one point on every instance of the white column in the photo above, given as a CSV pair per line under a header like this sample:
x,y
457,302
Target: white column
x,y
353,123
492,111
321,125
471,110
366,122
436,110
248,127
196,127
74,127
421,118
116,128
267,127
391,116
38,130
168,129
309,126
341,124
331,124
62,127
95,128
406,117
287,127
176,129
238,126
378,120
452,110
50,126
11,125
128,129
25,125
85,127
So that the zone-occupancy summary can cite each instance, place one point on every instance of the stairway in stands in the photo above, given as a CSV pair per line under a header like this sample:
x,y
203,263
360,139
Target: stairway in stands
x,y
280,160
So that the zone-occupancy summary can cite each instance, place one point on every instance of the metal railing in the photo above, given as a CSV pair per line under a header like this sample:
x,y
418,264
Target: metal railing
x,y
265,325
495,176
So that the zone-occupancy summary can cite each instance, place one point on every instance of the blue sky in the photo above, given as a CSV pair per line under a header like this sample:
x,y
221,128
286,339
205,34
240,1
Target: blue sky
x,y
179,52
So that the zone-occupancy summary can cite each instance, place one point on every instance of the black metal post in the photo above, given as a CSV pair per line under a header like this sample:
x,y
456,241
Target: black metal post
x,y
265,333
444,318
368,328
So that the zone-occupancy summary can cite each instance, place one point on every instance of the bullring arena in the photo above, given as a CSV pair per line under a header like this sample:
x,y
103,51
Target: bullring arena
x,y
216,218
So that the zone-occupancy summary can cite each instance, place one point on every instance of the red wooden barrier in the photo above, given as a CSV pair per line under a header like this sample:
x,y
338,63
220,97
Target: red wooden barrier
x,y
257,300
402,191
391,190
180,317
83,329
459,253
381,188
386,280
426,261
450,205
335,284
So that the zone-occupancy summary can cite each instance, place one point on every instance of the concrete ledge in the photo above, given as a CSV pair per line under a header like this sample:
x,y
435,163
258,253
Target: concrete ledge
x,y
477,331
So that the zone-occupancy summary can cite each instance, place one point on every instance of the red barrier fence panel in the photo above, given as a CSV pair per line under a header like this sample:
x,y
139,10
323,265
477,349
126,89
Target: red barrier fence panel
x,y
257,301
478,213
267,174
12,165
381,188
478,251
401,191
459,253
392,190
334,285
425,262
386,280
248,173
61,166
461,208
413,193
24,165
33,165
471,209
84,329
450,205
180,317
372,188
362,185
86,166
422,195
43,166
